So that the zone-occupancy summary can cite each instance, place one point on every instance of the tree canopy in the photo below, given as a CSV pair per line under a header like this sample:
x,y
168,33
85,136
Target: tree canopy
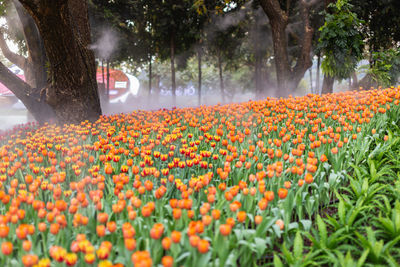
x,y
271,42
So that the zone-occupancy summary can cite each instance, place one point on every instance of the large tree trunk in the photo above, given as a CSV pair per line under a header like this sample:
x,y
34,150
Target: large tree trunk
x,y
173,83
199,55
64,27
327,85
288,78
283,71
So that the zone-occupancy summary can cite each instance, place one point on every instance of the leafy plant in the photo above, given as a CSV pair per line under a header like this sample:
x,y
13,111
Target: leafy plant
x,y
340,41
296,257
390,225
378,251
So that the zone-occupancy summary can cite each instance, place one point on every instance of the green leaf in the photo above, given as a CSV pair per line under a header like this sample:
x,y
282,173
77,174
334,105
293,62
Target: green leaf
x,y
298,246
288,256
260,246
277,261
306,224
363,257
322,231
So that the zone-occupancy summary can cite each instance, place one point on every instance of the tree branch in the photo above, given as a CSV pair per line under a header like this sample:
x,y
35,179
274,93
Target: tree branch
x,y
20,88
273,10
29,96
16,59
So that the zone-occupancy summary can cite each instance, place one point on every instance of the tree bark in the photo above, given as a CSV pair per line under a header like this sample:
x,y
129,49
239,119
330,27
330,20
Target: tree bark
x,y
64,27
288,78
327,85
199,55
221,78
283,71
173,83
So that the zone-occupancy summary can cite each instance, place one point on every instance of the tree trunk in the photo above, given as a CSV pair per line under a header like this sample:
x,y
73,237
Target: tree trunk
x,y
221,78
354,84
367,82
288,78
282,67
199,54
317,89
64,28
327,85
102,70
173,83
150,76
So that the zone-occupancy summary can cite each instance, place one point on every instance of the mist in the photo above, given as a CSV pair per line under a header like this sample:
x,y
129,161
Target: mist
x,y
238,80
106,45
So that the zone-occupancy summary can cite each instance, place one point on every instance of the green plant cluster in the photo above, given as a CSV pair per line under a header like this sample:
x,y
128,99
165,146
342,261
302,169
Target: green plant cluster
x,y
340,41
386,67
362,225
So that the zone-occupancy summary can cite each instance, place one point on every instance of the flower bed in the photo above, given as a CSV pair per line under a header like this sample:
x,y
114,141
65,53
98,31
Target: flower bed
x,y
216,185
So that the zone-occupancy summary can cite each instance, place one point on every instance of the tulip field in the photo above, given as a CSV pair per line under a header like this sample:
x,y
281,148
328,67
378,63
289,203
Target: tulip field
x,y
300,181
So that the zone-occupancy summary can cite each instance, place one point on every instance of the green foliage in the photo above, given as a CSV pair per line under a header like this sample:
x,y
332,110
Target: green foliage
x,y
340,41
381,20
390,225
364,228
385,69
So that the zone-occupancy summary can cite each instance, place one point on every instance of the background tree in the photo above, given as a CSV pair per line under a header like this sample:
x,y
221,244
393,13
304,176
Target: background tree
x,y
279,14
71,90
381,33
340,42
